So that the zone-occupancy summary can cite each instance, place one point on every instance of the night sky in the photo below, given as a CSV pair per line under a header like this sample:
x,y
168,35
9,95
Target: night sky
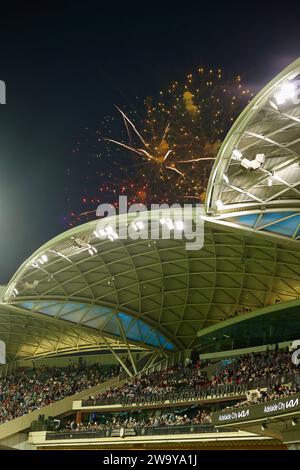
x,y
65,64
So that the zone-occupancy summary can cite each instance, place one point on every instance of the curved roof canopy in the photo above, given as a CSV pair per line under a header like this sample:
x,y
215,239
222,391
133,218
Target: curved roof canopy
x,y
28,335
154,294
258,165
81,291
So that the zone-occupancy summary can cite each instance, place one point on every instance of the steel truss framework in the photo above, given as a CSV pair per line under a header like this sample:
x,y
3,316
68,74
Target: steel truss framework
x,y
281,223
27,335
268,129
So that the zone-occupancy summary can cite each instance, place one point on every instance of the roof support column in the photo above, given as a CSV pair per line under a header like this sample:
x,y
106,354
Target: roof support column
x,y
127,345
118,358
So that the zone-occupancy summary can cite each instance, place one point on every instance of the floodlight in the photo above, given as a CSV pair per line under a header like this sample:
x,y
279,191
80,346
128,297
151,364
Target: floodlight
x,y
260,158
179,225
170,224
236,154
246,163
219,204
109,230
254,164
139,225
99,233
286,92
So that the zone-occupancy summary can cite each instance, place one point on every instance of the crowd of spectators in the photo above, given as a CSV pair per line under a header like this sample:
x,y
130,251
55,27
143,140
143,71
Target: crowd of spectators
x,y
25,391
253,367
28,390
168,419
274,392
170,380
244,369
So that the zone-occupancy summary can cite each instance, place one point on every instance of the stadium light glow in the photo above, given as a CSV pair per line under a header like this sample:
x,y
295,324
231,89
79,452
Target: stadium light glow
x,y
139,225
107,232
40,261
179,225
92,250
253,164
236,154
170,224
219,204
286,92
99,233
112,235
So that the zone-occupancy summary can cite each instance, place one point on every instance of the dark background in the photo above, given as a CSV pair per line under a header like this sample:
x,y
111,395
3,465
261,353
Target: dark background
x,y
65,65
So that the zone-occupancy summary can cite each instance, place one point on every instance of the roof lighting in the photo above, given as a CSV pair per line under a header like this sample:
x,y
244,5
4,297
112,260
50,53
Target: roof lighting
x,y
99,233
219,204
179,225
286,92
43,259
253,164
236,154
170,224
92,250
109,230
139,225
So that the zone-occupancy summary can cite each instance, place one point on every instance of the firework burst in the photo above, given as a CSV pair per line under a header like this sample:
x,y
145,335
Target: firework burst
x,y
164,148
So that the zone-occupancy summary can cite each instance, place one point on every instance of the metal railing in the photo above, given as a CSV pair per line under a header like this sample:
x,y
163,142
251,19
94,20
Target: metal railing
x,y
262,382
137,431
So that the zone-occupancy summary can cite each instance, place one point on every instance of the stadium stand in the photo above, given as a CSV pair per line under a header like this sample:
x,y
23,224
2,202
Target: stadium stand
x,y
29,390
182,337
249,369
